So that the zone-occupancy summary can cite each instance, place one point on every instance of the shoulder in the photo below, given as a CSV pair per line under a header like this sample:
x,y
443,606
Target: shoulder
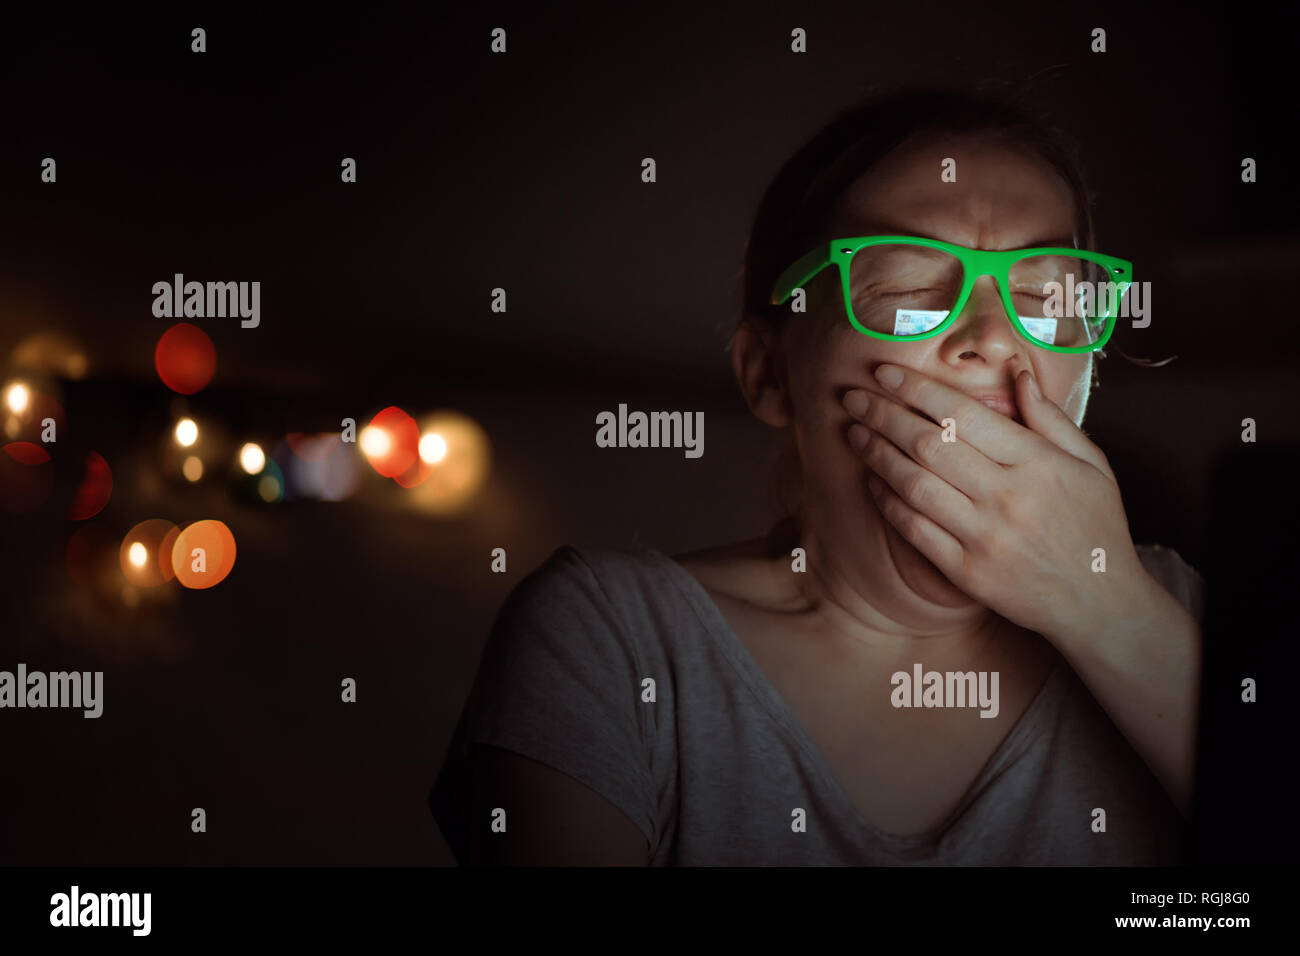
x,y
564,658
599,603
570,584
591,575
558,682
1176,576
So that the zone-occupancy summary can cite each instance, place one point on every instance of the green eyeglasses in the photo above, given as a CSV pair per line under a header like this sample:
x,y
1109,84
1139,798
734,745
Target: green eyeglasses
x,y
907,288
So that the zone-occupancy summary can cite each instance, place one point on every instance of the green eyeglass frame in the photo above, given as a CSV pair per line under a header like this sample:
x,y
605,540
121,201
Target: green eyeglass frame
x,y
975,263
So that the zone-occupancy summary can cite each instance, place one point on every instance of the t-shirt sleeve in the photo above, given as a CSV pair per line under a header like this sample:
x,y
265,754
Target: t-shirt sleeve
x,y
1177,576
559,682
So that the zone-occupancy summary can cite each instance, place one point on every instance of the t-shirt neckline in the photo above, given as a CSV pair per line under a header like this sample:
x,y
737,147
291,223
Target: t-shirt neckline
x,y
748,669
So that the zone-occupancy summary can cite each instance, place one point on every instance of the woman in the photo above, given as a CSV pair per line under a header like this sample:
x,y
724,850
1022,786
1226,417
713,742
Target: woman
x,y
956,540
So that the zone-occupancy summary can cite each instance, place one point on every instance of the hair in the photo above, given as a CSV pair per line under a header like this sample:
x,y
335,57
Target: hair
x,y
805,191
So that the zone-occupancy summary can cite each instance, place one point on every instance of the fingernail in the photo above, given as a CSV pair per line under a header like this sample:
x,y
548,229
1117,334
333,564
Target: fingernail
x,y
889,376
859,436
857,402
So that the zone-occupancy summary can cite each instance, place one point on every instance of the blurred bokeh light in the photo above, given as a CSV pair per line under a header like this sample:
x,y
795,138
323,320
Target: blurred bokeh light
x,y
433,448
462,459
17,397
319,466
187,432
145,554
29,407
185,358
252,458
52,352
391,442
95,489
204,554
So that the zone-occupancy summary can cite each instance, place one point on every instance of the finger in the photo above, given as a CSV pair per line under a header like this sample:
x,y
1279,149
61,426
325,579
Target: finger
x,y
986,430
935,448
1047,419
921,489
943,550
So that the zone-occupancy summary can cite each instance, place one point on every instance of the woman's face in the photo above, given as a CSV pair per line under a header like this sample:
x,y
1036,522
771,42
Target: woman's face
x,y
1002,199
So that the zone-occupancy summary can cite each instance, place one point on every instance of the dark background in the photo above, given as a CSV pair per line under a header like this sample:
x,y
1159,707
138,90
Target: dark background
x,y
520,171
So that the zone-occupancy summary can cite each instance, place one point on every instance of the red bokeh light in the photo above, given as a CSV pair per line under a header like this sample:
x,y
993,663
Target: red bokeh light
x,y
95,489
402,448
27,453
185,358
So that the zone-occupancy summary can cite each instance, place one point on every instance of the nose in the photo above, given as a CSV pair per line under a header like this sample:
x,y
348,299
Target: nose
x,y
983,327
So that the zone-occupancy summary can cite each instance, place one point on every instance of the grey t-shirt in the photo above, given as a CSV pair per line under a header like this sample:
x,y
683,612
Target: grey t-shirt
x,y
713,770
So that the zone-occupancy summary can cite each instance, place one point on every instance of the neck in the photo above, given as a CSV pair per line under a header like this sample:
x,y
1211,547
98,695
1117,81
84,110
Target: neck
x,y
859,598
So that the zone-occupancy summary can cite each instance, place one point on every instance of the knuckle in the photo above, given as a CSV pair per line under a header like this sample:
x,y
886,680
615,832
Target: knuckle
x,y
911,524
872,453
927,446
1006,517
1018,511
968,425
996,545
1004,499
874,418
916,488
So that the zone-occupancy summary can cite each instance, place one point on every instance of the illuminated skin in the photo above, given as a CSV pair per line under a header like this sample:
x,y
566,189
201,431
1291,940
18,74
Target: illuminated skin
x,y
969,550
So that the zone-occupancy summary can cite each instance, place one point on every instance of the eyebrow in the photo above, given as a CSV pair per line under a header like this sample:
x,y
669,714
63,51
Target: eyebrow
x,y
888,229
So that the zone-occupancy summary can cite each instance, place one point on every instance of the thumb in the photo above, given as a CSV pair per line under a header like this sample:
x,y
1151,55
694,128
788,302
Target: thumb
x,y
1045,417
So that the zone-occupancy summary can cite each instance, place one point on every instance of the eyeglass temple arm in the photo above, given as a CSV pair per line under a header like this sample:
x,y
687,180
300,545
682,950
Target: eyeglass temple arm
x,y
800,273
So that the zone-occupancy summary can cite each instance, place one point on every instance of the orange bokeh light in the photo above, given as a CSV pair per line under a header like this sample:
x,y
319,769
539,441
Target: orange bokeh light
x,y
204,554
154,536
165,549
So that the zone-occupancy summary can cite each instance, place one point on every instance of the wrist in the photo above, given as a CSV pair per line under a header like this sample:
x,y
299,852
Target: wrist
x,y
1139,605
